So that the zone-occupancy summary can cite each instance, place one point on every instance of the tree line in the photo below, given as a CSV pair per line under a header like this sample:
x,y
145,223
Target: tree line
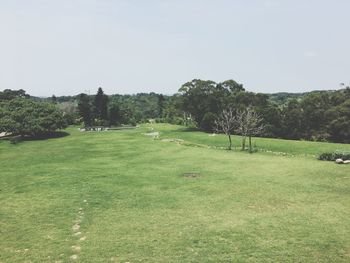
x,y
113,110
318,115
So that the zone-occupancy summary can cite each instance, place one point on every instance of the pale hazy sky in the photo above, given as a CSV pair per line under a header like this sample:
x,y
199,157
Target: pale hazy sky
x,y
66,47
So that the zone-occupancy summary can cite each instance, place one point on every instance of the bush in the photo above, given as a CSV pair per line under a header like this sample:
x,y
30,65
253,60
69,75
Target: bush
x,y
30,118
328,156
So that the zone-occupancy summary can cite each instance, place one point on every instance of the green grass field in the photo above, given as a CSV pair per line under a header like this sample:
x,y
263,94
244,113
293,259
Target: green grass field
x,y
120,196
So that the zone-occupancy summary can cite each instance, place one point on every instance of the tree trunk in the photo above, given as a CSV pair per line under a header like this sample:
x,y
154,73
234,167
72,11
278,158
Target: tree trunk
x,y
230,145
250,144
243,142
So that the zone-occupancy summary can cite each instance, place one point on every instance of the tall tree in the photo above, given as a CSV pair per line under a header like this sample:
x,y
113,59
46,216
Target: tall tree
x,y
84,108
202,96
101,105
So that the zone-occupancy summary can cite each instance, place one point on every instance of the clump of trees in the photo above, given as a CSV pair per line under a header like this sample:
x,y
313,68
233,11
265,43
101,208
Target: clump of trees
x,y
226,124
9,94
126,109
246,122
249,124
93,112
319,115
205,99
97,110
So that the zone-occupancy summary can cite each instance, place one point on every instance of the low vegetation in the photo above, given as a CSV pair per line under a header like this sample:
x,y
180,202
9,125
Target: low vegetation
x,y
332,156
268,146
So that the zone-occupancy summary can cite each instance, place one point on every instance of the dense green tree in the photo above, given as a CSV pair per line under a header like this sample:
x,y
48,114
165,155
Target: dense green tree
x,y
313,108
101,105
272,118
202,96
208,121
338,117
126,114
232,86
85,109
114,114
292,125
9,94
21,116
173,113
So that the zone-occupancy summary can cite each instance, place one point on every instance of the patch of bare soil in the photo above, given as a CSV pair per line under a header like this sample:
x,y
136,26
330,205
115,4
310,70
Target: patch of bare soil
x,y
191,175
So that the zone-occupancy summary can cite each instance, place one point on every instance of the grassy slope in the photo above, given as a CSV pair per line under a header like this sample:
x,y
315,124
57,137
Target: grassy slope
x,y
139,208
289,147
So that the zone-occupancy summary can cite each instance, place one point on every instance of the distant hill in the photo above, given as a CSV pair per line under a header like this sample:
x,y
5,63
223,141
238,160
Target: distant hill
x,y
282,97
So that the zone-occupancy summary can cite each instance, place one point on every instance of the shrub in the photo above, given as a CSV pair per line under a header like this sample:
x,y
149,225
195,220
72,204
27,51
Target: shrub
x,y
32,118
332,156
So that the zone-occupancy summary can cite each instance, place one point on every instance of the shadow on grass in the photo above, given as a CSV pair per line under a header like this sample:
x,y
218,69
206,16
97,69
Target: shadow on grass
x,y
18,138
53,135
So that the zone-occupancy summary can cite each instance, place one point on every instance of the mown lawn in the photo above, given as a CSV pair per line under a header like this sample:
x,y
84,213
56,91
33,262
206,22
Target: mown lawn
x,y
120,196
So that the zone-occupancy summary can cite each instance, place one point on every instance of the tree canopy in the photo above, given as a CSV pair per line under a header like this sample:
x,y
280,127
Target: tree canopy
x,y
21,116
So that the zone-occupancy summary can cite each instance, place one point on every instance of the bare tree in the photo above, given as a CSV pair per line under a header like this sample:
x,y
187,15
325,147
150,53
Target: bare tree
x,y
249,123
225,123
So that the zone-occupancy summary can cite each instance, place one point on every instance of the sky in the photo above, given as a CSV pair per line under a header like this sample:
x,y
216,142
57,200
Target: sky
x,y
66,47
